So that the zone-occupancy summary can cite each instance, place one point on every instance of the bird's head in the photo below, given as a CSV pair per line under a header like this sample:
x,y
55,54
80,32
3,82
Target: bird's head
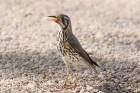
x,y
62,20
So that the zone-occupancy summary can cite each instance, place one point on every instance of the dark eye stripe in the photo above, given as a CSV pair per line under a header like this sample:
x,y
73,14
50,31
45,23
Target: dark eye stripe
x,y
67,22
63,21
66,25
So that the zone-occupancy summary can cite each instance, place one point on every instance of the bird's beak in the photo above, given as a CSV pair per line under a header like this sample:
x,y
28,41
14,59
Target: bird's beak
x,y
53,18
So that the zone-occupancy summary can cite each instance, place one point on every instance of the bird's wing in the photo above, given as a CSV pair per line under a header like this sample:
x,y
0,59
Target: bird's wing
x,y
74,43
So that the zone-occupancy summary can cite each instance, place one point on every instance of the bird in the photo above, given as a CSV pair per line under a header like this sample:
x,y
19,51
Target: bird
x,y
70,49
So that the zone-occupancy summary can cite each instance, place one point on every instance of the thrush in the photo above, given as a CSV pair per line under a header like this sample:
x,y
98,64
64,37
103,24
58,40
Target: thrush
x,y
70,49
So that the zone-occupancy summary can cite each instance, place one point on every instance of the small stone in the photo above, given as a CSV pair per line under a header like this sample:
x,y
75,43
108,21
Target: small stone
x,y
26,63
116,80
3,61
108,87
41,68
77,90
40,91
8,38
99,35
31,85
56,81
96,90
83,91
8,65
112,87
50,83
102,75
101,92
96,87
88,71
41,61
3,33
89,50
114,91
89,88
4,75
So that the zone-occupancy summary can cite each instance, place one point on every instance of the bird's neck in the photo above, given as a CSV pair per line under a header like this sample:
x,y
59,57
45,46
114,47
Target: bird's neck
x,y
62,35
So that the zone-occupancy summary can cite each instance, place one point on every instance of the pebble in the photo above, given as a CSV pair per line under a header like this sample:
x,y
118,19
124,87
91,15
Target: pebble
x,y
99,35
108,87
31,85
49,83
89,88
40,91
82,91
89,51
8,65
28,45
114,91
77,90
102,92
116,80
102,75
96,90
6,37
87,72
4,33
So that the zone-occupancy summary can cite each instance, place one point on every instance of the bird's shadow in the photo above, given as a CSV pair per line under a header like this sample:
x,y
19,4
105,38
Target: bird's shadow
x,y
17,63
116,78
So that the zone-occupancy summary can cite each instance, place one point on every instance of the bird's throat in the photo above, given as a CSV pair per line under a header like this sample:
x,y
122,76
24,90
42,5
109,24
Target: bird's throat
x,y
62,35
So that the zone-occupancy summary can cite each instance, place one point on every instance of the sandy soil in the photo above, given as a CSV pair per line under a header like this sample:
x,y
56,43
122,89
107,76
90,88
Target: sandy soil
x,y
109,30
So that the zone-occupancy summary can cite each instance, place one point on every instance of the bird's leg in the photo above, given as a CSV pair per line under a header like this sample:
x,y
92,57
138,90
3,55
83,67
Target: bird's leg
x,y
66,79
76,79
75,83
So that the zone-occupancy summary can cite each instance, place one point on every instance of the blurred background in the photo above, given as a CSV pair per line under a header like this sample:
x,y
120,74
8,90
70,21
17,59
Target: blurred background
x,y
109,30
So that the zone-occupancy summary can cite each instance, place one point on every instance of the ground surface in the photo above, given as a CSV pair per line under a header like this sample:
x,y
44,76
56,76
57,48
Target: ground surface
x,y
109,30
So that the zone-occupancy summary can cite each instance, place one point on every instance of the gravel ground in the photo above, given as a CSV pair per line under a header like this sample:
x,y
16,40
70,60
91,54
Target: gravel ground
x,y
109,30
